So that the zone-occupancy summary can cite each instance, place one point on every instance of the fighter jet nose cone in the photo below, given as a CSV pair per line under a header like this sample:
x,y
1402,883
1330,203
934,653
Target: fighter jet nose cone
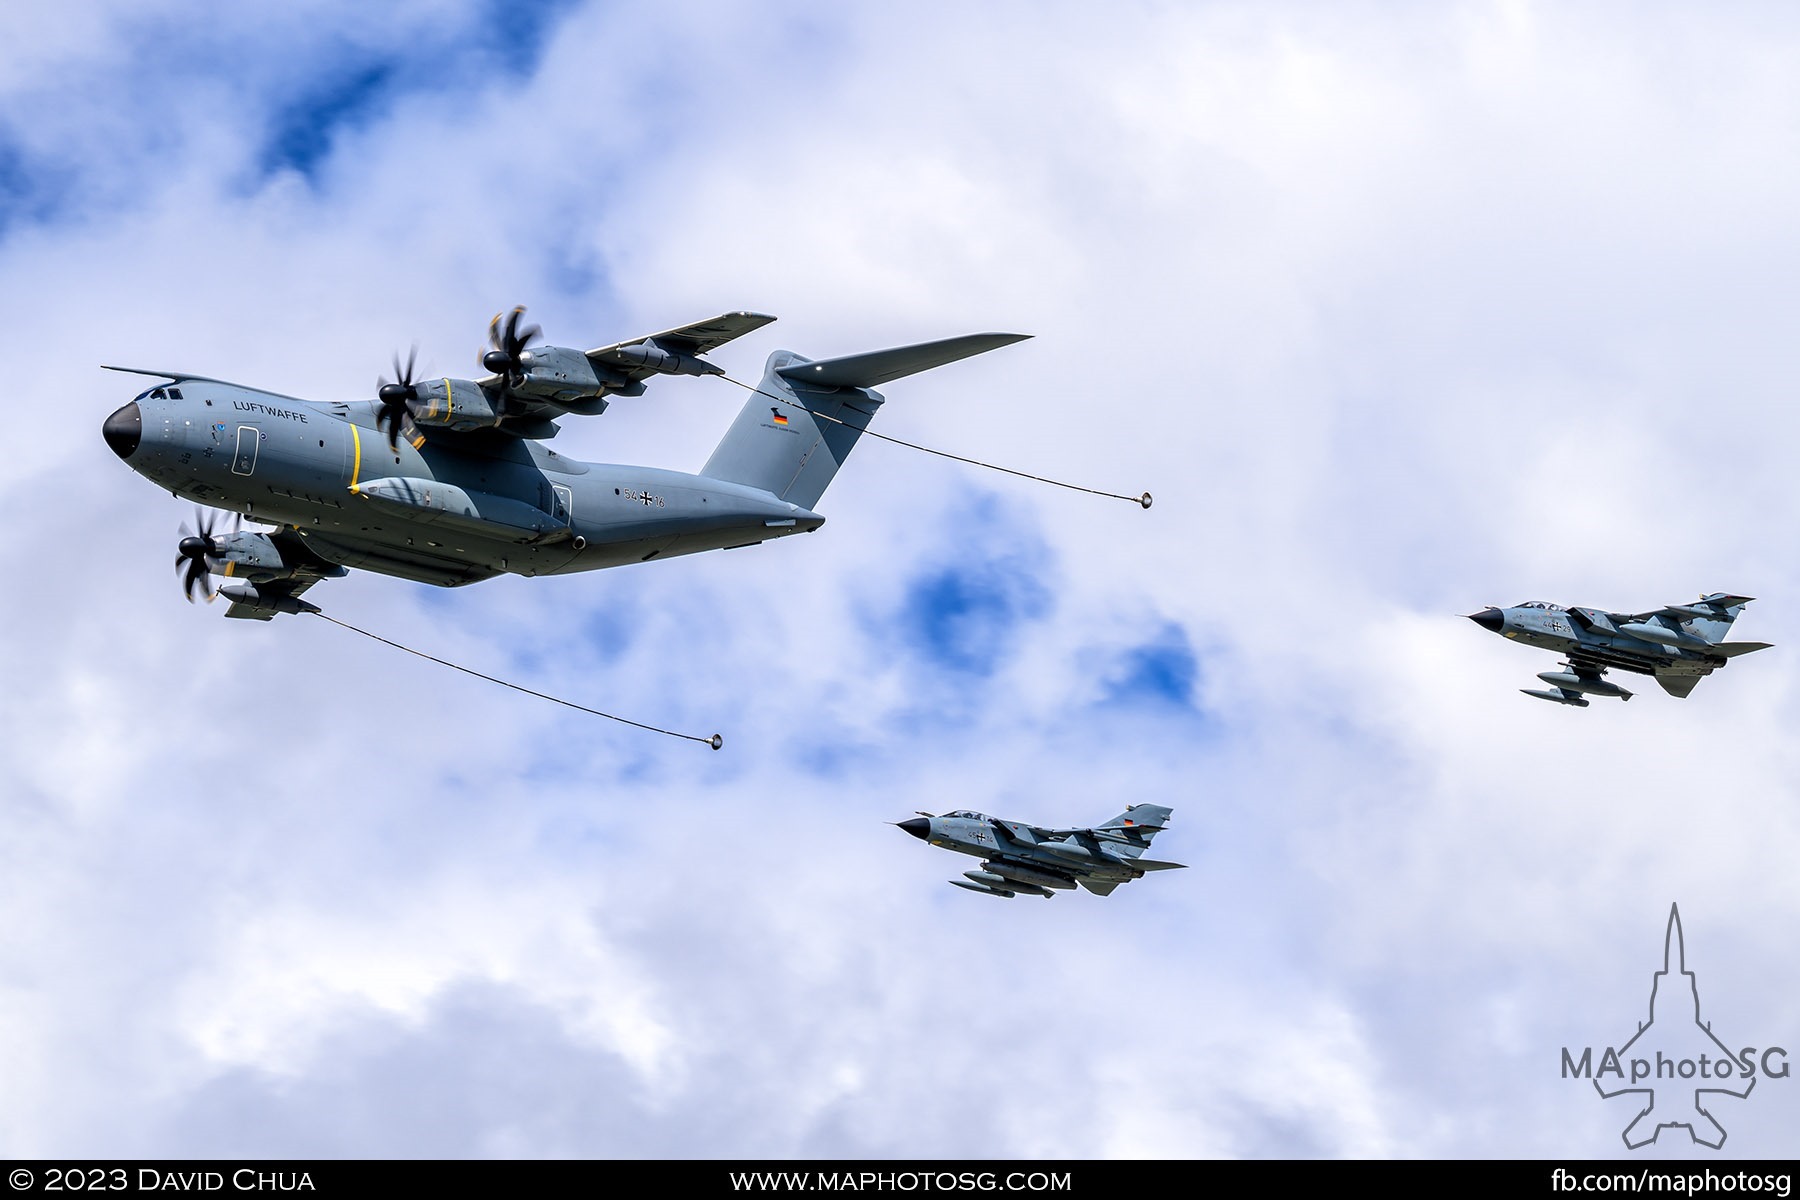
x,y
124,429
919,827
1489,618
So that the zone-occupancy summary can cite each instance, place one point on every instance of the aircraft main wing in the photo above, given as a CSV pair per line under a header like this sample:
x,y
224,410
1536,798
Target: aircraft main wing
x,y
271,598
1594,621
1018,831
556,380
263,601
702,337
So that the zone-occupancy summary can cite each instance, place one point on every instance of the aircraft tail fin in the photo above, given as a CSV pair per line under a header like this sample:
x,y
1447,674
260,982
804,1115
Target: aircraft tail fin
x,y
1146,817
1128,834
1733,649
1711,616
794,433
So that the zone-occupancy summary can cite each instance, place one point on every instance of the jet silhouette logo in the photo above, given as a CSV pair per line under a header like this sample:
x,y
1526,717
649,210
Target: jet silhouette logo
x,y
1674,1063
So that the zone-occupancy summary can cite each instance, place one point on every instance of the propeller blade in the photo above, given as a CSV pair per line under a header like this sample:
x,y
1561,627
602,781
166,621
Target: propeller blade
x,y
195,548
508,342
394,400
387,419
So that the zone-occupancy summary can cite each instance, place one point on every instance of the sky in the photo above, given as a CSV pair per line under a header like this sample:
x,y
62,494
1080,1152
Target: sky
x,y
1399,311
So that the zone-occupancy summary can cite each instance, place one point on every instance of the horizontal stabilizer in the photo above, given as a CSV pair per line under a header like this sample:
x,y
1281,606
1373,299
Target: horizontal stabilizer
x,y
881,366
1151,864
1733,649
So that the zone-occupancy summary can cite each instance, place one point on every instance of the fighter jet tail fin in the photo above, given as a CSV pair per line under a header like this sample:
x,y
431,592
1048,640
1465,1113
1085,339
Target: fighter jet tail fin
x,y
1128,834
1147,817
802,421
1733,649
1710,617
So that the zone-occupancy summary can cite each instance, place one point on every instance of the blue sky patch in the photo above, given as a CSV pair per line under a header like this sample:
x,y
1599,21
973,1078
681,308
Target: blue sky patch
x,y
1162,670
29,191
302,133
502,41
962,618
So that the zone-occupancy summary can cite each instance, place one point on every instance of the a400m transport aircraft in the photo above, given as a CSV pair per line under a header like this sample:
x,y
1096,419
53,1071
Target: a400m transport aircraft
x,y
447,481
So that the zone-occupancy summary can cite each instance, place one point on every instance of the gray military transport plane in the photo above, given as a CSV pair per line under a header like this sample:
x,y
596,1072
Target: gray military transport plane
x,y
1677,645
1024,858
447,481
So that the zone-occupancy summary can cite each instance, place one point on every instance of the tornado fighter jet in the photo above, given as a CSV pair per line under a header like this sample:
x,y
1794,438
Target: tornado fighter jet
x,y
1677,646
1024,858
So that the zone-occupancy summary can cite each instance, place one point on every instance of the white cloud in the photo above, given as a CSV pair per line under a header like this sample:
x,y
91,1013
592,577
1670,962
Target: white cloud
x,y
1397,312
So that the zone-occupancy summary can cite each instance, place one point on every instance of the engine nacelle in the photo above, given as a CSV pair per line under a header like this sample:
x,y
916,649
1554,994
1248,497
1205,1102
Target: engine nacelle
x,y
661,360
563,376
253,557
452,404
247,595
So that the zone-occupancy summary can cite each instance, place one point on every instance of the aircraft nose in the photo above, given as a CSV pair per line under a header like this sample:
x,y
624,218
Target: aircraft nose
x,y
124,429
1489,618
919,827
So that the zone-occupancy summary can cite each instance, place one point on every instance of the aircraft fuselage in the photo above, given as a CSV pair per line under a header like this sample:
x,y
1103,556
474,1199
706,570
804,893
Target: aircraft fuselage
x,y
1014,841
446,511
1551,628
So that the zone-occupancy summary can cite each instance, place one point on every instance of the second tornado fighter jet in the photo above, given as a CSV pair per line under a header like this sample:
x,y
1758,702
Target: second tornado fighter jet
x,y
1024,858
1677,646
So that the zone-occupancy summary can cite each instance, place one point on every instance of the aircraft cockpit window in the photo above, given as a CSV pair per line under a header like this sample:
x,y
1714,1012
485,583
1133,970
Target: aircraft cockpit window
x,y
1545,606
174,393
159,393
963,812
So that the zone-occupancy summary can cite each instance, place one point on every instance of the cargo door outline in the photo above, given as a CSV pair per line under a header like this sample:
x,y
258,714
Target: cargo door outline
x,y
244,462
562,504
